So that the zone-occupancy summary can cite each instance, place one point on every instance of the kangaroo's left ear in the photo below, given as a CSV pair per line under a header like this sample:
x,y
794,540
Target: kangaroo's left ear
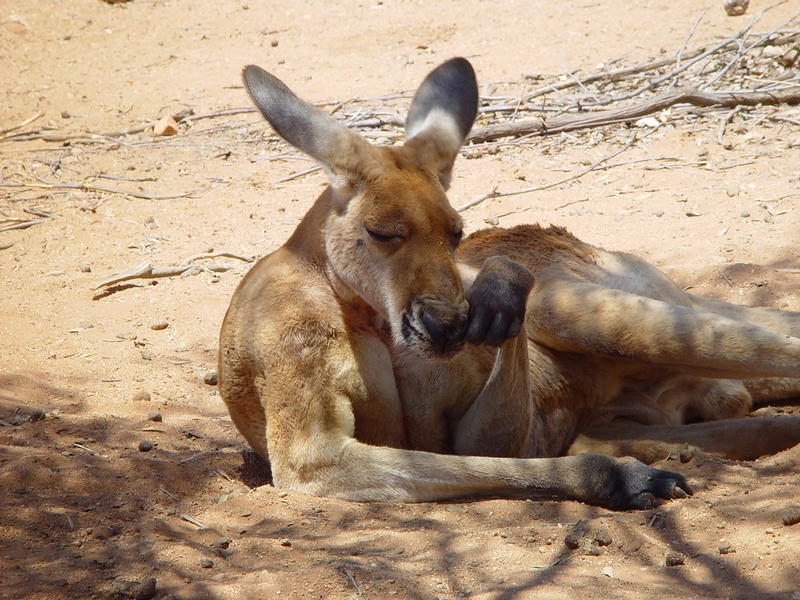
x,y
441,116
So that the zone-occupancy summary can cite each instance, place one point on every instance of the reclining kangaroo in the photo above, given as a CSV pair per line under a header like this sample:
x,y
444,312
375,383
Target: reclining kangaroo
x,y
378,356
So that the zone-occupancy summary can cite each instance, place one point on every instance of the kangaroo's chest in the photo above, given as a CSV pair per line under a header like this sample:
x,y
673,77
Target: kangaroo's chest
x,y
434,395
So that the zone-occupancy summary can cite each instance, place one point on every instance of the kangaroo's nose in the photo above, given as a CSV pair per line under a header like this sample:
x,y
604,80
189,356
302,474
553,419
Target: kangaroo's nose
x,y
446,324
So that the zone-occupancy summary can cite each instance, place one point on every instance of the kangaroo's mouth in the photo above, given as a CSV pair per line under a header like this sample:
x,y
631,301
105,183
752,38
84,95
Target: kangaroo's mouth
x,y
417,338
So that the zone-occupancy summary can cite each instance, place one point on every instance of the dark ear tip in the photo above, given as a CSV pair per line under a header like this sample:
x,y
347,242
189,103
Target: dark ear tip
x,y
251,71
456,68
462,64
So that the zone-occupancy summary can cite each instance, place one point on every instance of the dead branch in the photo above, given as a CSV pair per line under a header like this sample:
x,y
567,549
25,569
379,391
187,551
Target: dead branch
x,y
495,194
27,121
693,96
221,113
148,271
23,224
352,581
610,76
96,188
179,116
696,53
679,53
244,258
744,51
298,174
724,123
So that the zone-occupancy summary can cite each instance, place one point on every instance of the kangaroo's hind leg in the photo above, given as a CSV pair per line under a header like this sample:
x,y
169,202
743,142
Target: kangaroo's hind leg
x,y
764,389
649,423
734,439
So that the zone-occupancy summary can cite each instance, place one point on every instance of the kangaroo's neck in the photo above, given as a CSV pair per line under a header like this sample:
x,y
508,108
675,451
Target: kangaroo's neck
x,y
308,239
308,243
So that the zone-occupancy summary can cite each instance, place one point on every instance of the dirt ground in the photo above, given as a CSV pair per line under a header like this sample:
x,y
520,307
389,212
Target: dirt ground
x,y
84,513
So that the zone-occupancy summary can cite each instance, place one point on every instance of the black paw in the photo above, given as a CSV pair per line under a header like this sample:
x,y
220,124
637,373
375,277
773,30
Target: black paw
x,y
626,483
497,301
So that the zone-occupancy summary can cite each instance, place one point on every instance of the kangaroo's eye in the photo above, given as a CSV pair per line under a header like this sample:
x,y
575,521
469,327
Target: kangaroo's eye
x,y
457,235
381,237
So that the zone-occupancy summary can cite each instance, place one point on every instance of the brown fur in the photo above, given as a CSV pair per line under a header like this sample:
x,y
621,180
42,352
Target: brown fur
x,y
354,360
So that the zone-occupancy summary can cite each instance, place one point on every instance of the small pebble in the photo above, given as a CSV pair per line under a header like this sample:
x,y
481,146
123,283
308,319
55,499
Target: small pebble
x,y
286,543
206,563
788,59
146,356
154,415
732,190
84,268
146,589
145,446
685,455
273,42
745,213
159,326
791,516
735,8
602,537
673,559
210,378
726,549
222,542
124,588
165,126
103,532
141,396
37,414
572,541
590,550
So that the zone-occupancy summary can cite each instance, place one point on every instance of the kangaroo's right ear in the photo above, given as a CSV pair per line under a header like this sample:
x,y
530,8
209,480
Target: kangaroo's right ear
x,y
442,114
342,152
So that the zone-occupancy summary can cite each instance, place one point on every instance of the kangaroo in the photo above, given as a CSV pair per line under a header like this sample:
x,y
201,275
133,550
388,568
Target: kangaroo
x,y
377,355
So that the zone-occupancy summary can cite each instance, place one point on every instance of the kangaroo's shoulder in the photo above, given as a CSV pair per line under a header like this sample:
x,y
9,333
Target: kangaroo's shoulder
x,y
527,244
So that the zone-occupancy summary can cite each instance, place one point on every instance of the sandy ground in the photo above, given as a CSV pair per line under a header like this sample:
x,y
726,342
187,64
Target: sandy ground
x,y
85,514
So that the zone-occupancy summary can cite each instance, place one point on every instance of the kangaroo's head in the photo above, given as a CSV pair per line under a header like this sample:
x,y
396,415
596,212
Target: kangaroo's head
x,y
390,233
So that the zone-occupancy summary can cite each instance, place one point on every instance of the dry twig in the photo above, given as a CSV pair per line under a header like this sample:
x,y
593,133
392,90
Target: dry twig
x,y
27,121
724,123
83,187
352,581
148,271
23,224
495,194
625,114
